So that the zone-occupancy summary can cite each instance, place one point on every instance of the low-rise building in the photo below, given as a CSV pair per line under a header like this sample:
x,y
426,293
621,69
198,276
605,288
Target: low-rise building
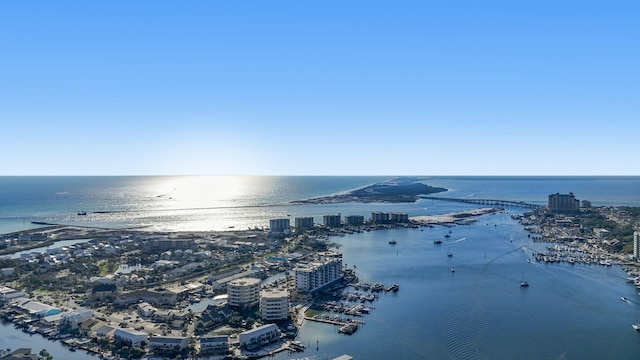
x,y
7,293
75,318
214,345
260,336
38,308
160,344
130,337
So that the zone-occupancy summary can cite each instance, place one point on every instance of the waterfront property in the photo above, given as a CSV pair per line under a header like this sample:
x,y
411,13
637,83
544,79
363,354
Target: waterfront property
x,y
354,220
165,344
332,220
130,336
214,345
302,223
37,308
260,336
563,203
274,304
320,272
279,227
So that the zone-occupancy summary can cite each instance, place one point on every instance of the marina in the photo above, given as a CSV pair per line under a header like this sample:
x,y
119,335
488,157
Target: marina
x,y
438,315
442,313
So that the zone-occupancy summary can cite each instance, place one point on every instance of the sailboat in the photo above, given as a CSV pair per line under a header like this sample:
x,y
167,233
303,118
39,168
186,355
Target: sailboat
x,y
524,283
449,254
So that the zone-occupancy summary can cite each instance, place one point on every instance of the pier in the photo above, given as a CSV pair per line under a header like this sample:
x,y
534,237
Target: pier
x,y
491,202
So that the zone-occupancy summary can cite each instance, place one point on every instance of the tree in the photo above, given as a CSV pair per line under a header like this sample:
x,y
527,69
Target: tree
x,y
44,355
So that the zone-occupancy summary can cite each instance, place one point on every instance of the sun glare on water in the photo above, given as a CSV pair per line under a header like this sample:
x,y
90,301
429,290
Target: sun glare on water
x,y
204,191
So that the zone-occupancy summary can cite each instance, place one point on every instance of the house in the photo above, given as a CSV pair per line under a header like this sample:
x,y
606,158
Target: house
x,y
105,331
90,326
212,316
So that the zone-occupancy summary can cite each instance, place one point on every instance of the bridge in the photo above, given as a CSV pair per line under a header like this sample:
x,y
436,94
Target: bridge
x,y
491,202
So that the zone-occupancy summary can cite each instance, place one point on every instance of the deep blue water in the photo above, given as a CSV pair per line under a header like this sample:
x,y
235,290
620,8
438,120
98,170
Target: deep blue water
x,y
478,312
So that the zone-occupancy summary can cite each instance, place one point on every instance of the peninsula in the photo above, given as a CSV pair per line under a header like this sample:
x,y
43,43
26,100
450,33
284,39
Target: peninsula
x,y
400,190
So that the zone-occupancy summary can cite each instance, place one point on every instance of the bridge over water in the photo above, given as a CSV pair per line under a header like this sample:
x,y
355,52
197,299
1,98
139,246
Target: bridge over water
x,y
492,202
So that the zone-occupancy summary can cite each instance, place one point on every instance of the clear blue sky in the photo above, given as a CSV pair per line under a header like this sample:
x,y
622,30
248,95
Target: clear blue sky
x,y
542,87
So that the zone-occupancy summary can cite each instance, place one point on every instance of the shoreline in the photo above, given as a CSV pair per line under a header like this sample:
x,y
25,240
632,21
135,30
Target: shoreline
x,y
456,217
392,191
61,232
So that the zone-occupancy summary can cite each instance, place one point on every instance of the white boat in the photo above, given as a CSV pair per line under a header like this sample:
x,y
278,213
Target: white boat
x,y
623,298
637,324
524,284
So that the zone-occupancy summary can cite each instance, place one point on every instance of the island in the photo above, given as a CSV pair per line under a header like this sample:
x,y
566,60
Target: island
x,y
399,190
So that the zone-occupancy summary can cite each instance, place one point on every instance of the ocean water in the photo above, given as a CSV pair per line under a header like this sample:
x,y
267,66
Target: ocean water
x,y
477,312
220,202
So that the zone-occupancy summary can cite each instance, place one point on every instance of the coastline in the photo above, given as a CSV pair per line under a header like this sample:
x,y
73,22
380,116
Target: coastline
x,y
456,217
401,190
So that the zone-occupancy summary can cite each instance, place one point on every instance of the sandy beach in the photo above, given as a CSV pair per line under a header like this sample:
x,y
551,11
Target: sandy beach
x,y
454,217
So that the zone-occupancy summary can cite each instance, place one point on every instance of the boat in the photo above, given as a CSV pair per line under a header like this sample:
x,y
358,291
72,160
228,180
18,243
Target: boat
x,y
524,284
449,254
437,242
393,242
637,324
82,213
623,298
447,236
453,270
348,328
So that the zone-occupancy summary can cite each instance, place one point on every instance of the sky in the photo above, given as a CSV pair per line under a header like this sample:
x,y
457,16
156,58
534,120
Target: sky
x,y
456,87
